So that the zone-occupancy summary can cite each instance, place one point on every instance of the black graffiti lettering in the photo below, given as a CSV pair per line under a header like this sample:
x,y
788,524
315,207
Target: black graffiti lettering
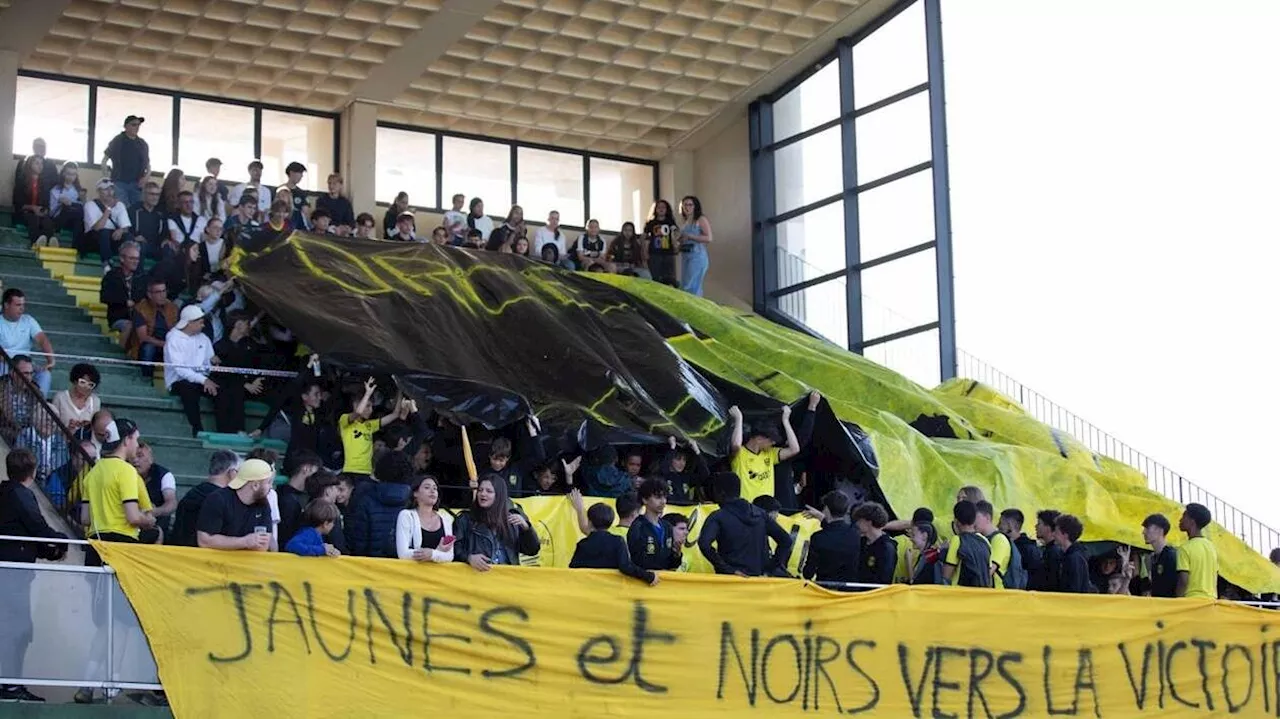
x,y
428,636
1085,680
853,664
374,606
939,659
1007,675
1234,707
1168,671
1162,653
988,662
820,660
915,693
315,627
1266,693
807,666
729,642
1203,646
516,641
1139,694
238,592
764,666
277,591
1275,674
640,636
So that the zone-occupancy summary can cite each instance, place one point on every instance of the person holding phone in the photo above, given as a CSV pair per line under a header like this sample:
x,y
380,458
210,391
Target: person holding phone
x,y
493,531
424,534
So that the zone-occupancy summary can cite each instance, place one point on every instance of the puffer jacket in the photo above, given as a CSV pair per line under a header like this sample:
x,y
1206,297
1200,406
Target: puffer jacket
x,y
371,527
475,538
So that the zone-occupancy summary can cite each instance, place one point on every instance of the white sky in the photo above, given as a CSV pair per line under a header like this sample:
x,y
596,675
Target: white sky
x,y
1114,194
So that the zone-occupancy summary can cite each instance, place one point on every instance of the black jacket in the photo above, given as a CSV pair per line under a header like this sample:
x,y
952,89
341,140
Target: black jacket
x,y
735,538
648,550
1047,579
474,538
833,553
1032,558
371,528
22,193
118,291
684,483
1073,573
188,513
20,517
291,503
339,209
603,550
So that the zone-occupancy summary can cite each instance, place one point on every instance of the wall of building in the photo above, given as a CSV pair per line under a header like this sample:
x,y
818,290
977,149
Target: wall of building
x,y
722,180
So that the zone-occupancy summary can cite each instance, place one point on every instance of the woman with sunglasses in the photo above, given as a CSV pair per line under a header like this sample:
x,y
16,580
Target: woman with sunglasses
x,y
76,405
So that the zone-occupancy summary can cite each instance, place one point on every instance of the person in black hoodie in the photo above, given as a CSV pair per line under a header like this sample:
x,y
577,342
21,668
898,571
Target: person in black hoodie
x,y
1073,574
735,537
651,539
879,552
518,473
375,506
834,549
20,516
292,497
602,549
493,531
1032,559
1046,580
685,475
223,466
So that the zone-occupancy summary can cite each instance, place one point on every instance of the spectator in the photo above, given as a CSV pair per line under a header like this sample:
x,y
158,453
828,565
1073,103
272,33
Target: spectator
x,y
119,506
357,432
493,531
503,238
38,149
375,507
20,333
520,246
477,220
243,223
628,508
633,465
175,183
1197,559
77,404
103,430
153,317
151,225
551,255
322,222
878,552
651,539
602,476
66,202
162,487
588,249
213,168
43,438
601,549
1006,565
519,474
31,203
319,519
365,226
424,534
926,567
455,220
20,516
695,236
65,485
392,218
188,357
551,236
106,223
17,401
627,252
1028,551
685,470
237,517
341,215
734,538
215,252
1047,579
301,407
185,225
1073,573
223,467
301,210
130,161
968,557
907,551
404,231
834,550
327,485
262,194
754,460
680,535
291,497
122,287
207,201
475,239
662,234
1163,580
440,237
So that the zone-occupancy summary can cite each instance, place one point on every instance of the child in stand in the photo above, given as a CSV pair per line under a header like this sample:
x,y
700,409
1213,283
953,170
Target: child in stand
x,y
601,549
319,519
679,535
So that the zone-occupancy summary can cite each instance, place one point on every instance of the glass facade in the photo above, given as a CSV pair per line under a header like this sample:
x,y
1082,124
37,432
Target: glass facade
x,y
850,201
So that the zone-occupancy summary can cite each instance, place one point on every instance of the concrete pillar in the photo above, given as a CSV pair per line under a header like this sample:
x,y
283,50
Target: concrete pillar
x,y
358,155
675,177
8,112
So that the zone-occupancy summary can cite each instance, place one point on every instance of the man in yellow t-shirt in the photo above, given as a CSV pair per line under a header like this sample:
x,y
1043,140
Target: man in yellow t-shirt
x,y
753,460
1197,559
1001,549
119,505
357,429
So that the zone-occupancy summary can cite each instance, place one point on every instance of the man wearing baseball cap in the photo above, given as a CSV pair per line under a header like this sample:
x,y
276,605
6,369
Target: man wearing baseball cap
x,y
188,358
130,161
237,517
404,231
119,506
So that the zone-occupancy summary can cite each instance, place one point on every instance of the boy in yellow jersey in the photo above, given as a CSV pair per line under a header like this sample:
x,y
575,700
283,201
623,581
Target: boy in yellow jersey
x,y
1006,569
753,460
1197,559
119,506
357,429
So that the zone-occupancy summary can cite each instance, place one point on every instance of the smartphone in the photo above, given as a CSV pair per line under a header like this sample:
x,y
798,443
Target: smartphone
x,y
447,542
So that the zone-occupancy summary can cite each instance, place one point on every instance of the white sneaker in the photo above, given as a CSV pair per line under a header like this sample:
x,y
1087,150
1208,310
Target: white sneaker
x,y
42,241
53,241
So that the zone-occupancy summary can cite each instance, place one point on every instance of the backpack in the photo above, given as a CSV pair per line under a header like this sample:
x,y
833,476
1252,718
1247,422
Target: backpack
x,y
1014,577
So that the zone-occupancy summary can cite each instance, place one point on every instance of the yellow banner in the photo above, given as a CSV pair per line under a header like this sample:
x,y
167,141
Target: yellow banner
x,y
240,634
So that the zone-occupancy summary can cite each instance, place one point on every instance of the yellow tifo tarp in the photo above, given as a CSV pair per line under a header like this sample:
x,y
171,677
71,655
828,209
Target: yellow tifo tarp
x,y
246,634
1015,459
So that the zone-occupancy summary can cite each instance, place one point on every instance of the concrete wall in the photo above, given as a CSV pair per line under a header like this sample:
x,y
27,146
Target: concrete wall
x,y
722,180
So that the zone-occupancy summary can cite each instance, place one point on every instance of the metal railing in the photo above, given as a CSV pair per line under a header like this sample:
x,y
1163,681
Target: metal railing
x,y
1159,477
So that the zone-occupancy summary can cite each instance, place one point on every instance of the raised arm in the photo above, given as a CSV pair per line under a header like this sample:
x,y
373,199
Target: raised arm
x,y
735,439
793,444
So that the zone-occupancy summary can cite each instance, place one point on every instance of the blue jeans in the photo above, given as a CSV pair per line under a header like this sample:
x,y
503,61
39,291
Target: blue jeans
x,y
107,246
128,192
693,269
149,353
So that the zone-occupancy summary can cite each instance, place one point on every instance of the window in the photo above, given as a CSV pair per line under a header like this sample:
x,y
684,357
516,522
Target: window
x,y
289,137
899,295
621,192
915,357
896,216
822,308
55,111
550,181
891,59
811,245
478,169
115,105
407,162
894,138
809,170
214,129
811,103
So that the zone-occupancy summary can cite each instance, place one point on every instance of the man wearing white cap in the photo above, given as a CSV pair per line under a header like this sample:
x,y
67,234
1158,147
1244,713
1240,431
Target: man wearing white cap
x,y
188,361
237,517
106,222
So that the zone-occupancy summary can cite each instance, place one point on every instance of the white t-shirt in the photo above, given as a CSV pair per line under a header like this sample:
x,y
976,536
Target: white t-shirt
x,y
456,223
544,236
215,250
68,412
264,196
209,214
117,216
17,338
485,225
